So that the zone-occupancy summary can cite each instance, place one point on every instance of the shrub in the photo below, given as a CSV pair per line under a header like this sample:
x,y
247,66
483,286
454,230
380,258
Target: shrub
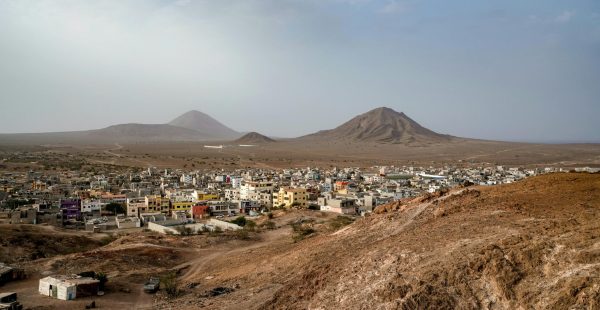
x,y
301,231
269,225
340,221
240,221
103,279
242,234
184,231
108,239
169,284
250,225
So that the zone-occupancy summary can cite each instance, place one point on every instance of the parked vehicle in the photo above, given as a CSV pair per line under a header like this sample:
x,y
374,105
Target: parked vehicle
x,y
152,285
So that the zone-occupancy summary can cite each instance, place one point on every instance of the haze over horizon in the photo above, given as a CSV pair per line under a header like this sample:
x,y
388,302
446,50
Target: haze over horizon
x,y
505,71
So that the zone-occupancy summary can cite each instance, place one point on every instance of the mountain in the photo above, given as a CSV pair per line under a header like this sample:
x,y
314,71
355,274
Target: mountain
x,y
204,124
111,134
381,125
254,138
147,132
191,126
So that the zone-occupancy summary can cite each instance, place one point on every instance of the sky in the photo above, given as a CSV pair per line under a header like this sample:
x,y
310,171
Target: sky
x,y
503,70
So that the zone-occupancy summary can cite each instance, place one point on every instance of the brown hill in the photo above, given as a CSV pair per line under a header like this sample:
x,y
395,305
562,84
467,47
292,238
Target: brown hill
x,y
254,138
191,126
111,134
205,125
381,125
148,132
527,245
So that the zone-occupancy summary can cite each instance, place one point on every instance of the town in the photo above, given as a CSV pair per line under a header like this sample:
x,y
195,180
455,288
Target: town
x,y
110,199
135,198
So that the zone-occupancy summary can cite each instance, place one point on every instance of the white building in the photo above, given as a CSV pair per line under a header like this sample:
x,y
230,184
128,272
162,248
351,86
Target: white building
x,y
250,190
88,206
68,287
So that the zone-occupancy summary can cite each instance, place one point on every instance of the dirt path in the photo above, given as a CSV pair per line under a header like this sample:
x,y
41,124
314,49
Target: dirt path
x,y
110,151
143,300
196,265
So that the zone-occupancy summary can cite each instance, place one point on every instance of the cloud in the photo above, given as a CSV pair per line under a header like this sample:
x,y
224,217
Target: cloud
x,y
565,17
394,6
182,2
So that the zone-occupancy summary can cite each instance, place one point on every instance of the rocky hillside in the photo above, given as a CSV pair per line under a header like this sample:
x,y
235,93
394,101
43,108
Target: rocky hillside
x,y
381,125
204,124
534,244
254,138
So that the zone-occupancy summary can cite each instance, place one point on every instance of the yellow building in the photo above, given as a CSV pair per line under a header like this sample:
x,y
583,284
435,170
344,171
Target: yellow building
x,y
206,196
289,196
157,203
181,206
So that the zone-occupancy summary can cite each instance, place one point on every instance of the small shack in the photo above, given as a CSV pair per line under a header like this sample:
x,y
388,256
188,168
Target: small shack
x,y
68,287
9,273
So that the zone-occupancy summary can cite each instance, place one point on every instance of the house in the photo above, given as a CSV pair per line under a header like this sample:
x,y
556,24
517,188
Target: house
x,y
200,211
71,208
68,287
338,205
223,208
250,189
135,206
289,196
185,206
156,203
8,273
200,196
24,215
90,206
247,206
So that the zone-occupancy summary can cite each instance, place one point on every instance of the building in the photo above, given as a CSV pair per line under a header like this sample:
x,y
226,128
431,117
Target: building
x,y
289,196
224,208
68,287
341,186
250,189
136,206
90,206
71,208
199,211
185,206
8,273
338,205
249,207
202,196
156,203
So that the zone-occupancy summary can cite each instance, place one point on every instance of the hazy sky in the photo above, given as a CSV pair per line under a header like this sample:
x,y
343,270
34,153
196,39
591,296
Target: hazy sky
x,y
513,70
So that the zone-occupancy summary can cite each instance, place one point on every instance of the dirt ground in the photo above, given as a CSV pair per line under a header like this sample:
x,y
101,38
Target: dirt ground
x,y
291,153
533,244
132,258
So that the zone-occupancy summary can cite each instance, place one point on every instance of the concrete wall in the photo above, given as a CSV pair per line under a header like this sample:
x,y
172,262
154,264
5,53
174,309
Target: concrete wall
x,y
162,229
223,225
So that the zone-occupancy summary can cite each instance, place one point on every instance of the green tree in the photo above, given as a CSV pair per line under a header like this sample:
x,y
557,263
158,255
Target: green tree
x,y
103,279
240,221
115,208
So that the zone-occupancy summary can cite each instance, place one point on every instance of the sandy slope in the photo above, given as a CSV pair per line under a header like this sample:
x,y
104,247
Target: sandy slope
x,y
533,244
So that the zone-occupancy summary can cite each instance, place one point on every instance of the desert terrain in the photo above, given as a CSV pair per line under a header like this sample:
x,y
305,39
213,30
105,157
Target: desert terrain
x,y
291,154
530,244
381,136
